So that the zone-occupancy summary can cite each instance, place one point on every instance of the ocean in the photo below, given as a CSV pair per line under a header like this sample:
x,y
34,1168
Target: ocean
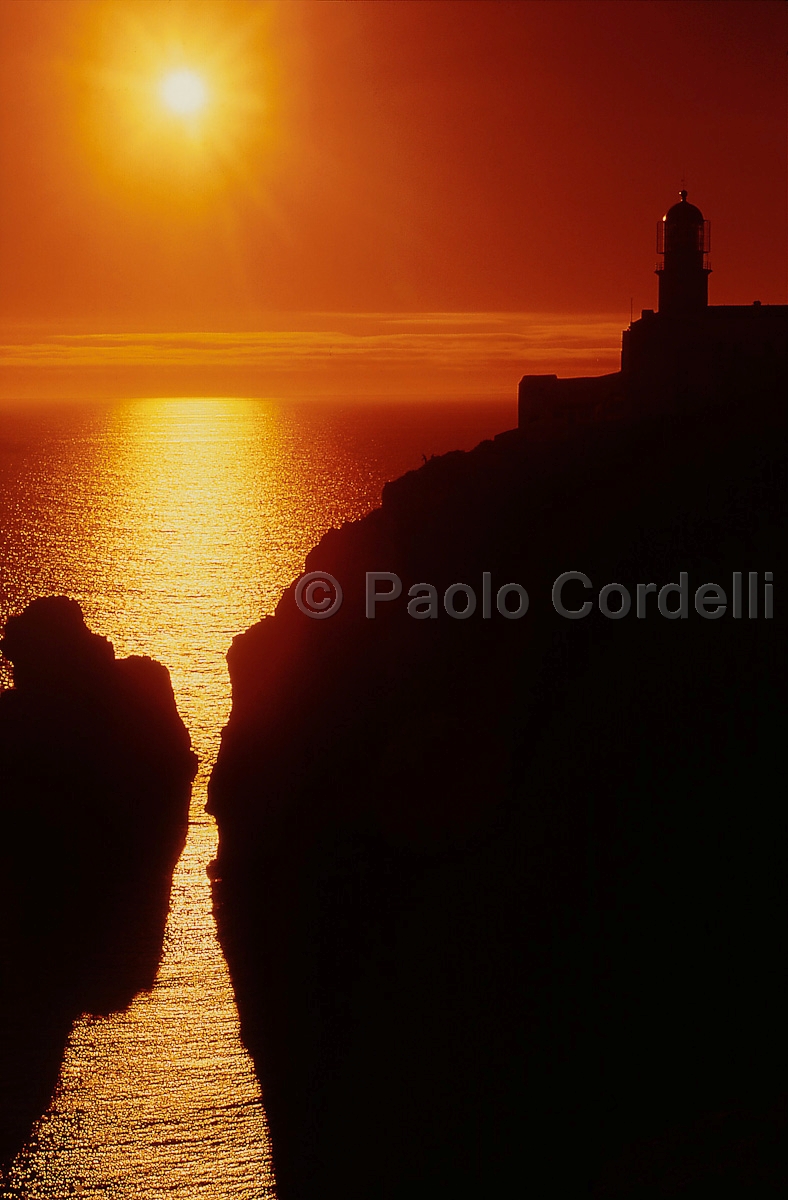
x,y
176,524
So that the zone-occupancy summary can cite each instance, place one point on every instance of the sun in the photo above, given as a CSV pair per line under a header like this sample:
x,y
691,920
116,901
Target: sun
x,y
176,101
183,92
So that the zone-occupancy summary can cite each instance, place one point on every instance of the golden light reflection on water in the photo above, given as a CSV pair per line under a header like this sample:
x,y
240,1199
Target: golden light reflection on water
x,y
177,524
163,551
161,1099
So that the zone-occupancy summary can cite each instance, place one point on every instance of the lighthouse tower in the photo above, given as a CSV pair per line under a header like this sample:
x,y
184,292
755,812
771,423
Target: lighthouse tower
x,y
683,241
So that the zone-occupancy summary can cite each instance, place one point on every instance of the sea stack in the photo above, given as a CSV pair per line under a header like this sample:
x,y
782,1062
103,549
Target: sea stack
x,y
97,769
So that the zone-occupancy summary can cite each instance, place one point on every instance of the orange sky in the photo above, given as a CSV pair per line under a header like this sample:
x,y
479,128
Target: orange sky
x,y
360,167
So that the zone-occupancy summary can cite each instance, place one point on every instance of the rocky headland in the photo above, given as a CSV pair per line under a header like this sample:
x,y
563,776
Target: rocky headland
x,y
503,899
96,777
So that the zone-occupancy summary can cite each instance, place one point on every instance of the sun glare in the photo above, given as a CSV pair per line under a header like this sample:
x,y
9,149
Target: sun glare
x,y
183,92
174,100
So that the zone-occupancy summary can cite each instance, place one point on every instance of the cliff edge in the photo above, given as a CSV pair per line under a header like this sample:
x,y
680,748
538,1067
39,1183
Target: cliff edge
x,y
501,895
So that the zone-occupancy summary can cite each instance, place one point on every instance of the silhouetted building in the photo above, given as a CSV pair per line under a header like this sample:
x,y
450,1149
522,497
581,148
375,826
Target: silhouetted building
x,y
687,352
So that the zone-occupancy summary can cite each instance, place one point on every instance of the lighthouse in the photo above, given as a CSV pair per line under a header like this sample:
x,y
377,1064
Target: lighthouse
x,y
683,242
687,354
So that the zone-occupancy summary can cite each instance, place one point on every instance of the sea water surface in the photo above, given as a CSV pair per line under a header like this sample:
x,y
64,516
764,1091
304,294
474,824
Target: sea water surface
x,y
176,524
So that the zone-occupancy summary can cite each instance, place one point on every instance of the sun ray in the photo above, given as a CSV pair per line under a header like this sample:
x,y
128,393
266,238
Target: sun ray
x,y
178,103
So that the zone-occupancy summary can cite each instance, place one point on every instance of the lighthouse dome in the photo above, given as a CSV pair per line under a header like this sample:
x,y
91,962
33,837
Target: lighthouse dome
x,y
683,214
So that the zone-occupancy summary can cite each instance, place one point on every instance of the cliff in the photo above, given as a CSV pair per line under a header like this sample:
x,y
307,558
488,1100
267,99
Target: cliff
x,y
502,898
96,769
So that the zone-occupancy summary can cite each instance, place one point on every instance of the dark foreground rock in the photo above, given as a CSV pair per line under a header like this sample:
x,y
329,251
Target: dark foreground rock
x,y
96,773
504,900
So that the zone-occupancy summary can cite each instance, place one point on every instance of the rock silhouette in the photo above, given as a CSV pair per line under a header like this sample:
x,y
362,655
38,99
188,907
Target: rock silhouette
x,y
502,899
96,770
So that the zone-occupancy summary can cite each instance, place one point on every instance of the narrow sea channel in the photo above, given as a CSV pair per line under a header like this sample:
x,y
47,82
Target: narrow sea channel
x,y
177,523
